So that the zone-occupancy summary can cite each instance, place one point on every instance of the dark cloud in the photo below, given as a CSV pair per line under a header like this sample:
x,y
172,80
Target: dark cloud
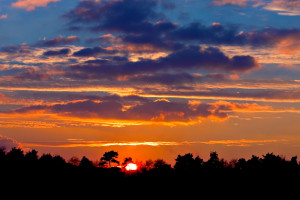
x,y
113,107
91,52
192,58
165,79
231,35
33,74
206,34
177,80
126,15
59,40
138,22
168,5
281,95
15,49
7,143
62,52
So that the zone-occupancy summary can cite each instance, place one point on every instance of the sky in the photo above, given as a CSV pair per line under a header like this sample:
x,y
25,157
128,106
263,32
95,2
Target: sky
x,y
150,79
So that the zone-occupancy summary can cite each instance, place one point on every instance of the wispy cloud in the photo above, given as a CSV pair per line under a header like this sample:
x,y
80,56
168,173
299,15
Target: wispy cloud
x,y
282,7
83,143
30,5
4,16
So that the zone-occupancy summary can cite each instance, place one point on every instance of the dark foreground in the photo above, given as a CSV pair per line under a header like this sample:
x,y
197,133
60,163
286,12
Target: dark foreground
x,y
51,177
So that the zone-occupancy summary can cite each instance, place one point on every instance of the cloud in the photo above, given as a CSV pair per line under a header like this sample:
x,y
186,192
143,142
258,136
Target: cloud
x,y
282,7
15,49
241,142
59,40
222,91
93,52
7,143
137,24
136,108
32,74
219,34
138,21
30,5
165,78
71,143
62,52
126,15
192,58
242,3
130,108
4,16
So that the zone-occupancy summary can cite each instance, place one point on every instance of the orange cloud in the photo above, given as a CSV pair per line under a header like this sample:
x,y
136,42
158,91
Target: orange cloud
x,y
30,5
242,3
71,143
289,45
242,107
79,143
242,142
3,17
284,7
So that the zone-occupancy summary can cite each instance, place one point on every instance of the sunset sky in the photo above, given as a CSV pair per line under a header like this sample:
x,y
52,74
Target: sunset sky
x,y
150,78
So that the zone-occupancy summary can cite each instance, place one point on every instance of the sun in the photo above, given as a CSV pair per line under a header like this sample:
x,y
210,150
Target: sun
x,y
131,167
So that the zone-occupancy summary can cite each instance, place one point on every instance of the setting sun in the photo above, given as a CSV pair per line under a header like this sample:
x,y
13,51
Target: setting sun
x,y
131,167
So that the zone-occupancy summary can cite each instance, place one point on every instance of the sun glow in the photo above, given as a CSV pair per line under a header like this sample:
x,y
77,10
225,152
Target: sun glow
x,y
131,167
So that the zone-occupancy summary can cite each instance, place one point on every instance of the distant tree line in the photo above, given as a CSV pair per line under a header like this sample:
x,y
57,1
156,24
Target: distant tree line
x,y
16,158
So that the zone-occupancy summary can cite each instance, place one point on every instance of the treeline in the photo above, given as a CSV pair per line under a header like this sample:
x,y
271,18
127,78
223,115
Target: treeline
x,y
187,163
30,170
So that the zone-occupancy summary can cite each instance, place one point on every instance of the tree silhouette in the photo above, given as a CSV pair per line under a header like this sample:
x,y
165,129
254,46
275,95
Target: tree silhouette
x,y
58,161
272,161
293,162
46,160
85,163
254,162
15,155
241,164
187,163
31,155
74,161
108,158
214,161
126,161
